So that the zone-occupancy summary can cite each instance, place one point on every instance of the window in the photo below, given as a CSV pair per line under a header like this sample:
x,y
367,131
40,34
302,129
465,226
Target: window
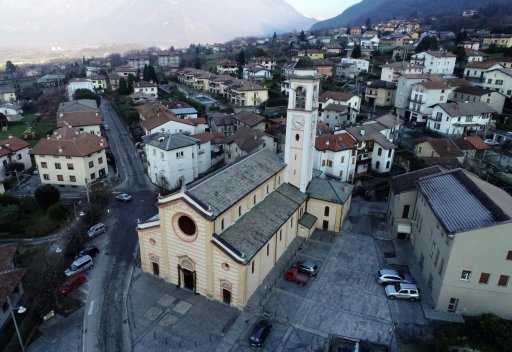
x,y
93,176
91,163
70,166
503,281
297,137
280,235
405,212
452,306
326,211
100,160
267,188
342,159
440,270
509,255
252,267
239,210
489,81
222,224
499,82
179,154
72,178
379,152
46,177
60,178
387,165
389,153
18,156
268,249
254,200
329,163
466,275
57,166
484,278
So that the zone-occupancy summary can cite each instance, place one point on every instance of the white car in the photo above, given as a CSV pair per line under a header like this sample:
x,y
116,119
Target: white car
x,y
124,197
490,142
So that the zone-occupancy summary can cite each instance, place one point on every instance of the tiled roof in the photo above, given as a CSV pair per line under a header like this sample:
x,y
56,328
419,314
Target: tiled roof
x,y
481,64
230,184
67,141
168,142
329,190
463,109
151,123
12,144
221,119
78,118
7,252
433,84
472,90
402,65
335,142
9,279
407,182
459,203
369,132
256,227
249,118
246,138
308,220
212,137
144,84
338,96
470,143
389,120
78,105
440,53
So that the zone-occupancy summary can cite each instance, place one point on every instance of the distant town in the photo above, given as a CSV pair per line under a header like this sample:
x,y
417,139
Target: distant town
x,y
341,189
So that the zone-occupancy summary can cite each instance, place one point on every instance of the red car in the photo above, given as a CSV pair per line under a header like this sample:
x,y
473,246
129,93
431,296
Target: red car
x,y
293,274
71,283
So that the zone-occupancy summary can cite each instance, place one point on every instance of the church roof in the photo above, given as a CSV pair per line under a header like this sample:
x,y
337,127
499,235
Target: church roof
x,y
329,190
256,227
308,220
223,189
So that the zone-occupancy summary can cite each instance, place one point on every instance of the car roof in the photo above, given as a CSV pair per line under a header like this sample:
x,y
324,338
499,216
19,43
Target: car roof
x,y
389,272
82,259
408,286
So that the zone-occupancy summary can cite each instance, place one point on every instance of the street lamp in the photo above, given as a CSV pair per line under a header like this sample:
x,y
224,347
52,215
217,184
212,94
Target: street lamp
x,y
20,310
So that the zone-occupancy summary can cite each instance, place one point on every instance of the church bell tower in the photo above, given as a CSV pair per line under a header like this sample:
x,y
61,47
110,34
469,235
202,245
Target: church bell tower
x,y
302,117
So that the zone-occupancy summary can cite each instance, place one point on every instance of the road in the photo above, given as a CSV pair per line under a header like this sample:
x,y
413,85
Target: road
x,y
105,326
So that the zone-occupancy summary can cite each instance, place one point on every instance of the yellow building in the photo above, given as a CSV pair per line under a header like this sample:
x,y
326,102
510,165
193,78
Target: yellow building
x,y
313,54
500,40
70,158
99,83
221,235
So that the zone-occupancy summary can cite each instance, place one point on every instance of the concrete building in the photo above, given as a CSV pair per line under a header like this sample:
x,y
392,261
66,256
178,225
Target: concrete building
x,y
79,83
380,93
220,236
84,121
437,62
459,227
330,98
12,111
494,99
335,155
391,72
12,150
460,119
149,88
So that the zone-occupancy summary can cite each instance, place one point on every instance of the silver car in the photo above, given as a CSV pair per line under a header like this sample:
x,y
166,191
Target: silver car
x,y
403,291
306,267
391,276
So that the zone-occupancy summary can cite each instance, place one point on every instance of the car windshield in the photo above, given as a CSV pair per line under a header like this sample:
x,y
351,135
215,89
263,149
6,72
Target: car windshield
x,y
397,287
402,276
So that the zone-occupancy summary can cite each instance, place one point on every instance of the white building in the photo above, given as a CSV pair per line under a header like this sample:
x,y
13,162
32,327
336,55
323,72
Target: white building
x,y
79,83
440,62
13,112
351,101
423,97
460,119
391,72
12,150
499,80
149,88
361,65
404,89
335,155
495,100
474,71
7,94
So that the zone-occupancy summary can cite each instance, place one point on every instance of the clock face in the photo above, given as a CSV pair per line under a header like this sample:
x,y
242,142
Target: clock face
x,y
298,122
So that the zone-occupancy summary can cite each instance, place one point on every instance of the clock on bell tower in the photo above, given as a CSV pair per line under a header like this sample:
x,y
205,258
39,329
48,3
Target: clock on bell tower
x,y
302,117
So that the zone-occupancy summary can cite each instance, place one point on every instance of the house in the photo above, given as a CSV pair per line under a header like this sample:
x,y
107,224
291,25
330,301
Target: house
x,y
375,148
156,117
12,150
227,67
113,80
475,55
173,158
12,111
403,52
360,64
222,123
125,71
470,44
391,72
245,118
245,141
70,158
439,151
7,94
501,136
92,71
84,121
474,71
380,93
184,112
211,150
245,93
78,83
351,101
494,99
313,54
499,40
220,236
324,67
99,83
168,60
440,62
335,155
460,119
268,63
335,117
349,67
149,88
505,61
256,72
371,43
463,249
332,49
355,30
424,96
78,105
499,80
138,62
11,287
141,97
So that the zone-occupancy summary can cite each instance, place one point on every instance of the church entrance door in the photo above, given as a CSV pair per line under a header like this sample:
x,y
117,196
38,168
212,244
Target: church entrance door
x,y
188,279
226,296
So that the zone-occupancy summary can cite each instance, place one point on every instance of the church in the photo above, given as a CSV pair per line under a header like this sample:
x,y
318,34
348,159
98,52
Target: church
x,y
221,235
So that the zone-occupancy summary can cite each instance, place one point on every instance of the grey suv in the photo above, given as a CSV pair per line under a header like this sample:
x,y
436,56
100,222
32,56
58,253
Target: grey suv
x,y
391,276
403,291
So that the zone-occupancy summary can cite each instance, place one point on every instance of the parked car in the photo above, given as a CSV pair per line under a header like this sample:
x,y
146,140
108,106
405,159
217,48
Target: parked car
x,y
293,274
97,229
403,291
79,265
391,276
259,333
490,142
124,197
71,283
89,250
307,267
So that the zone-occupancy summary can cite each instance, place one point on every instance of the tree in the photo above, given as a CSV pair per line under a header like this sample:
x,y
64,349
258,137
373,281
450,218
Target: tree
x,y
123,88
83,93
131,79
56,212
274,37
428,43
10,67
302,36
241,58
461,54
368,23
356,53
47,195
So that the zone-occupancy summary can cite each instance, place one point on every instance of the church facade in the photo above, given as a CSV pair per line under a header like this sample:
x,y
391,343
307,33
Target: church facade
x,y
221,235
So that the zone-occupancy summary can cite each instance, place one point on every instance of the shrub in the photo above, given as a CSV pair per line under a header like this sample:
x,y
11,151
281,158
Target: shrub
x,y
28,204
8,199
56,212
47,195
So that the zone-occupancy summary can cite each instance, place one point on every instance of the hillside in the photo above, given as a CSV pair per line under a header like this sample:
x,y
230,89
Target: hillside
x,y
381,10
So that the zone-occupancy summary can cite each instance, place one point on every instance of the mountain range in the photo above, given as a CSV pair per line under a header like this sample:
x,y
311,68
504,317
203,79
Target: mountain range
x,y
65,23
381,10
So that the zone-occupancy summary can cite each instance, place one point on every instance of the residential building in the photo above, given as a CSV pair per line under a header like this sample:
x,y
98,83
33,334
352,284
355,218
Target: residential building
x,y
156,117
475,55
245,118
125,71
335,155
84,121
221,235
499,80
268,63
245,93
10,281
424,96
138,62
12,111
460,119
499,40
222,123
439,151
168,60
256,72
313,54
184,112
332,49
78,83
501,136
360,64
227,67
324,67
464,249
78,105
351,101
391,72
440,62
12,150
505,61
99,83
474,71
380,93
113,80
70,158
494,99
404,89
7,94
149,88
371,43
245,141
375,148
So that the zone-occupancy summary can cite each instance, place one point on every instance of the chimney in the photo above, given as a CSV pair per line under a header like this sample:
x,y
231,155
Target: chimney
x,y
362,132
60,150
327,142
101,142
345,188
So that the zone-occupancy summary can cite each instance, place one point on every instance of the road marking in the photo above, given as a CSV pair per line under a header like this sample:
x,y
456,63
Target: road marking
x,y
91,306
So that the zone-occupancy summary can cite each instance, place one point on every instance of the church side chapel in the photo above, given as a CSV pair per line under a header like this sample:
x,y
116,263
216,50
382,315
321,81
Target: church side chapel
x,y
221,235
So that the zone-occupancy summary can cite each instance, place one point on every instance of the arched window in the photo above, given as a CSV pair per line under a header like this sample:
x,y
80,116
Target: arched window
x,y
239,210
252,267
300,98
377,165
326,211
297,137
379,152
387,165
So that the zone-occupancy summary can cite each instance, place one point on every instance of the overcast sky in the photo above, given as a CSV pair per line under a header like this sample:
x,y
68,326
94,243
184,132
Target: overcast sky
x,y
321,9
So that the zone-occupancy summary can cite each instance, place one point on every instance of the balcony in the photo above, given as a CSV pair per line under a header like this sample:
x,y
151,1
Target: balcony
x,y
417,101
434,118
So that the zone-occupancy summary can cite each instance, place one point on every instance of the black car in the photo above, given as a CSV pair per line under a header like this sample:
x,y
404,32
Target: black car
x,y
307,267
259,333
89,250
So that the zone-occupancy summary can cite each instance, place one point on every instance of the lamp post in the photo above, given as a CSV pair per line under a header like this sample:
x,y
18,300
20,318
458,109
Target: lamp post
x,y
20,310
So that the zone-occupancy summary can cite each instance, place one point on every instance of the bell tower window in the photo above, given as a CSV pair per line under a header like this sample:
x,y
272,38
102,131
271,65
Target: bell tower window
x,y
300,98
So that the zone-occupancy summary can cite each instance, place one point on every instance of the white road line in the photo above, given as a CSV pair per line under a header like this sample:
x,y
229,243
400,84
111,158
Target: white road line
x,y
91,306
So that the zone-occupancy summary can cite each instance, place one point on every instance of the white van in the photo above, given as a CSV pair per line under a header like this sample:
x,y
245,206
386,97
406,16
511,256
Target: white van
x,y
81,264
97,229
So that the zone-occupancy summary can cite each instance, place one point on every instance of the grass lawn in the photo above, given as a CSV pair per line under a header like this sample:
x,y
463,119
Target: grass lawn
x,y
40,127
